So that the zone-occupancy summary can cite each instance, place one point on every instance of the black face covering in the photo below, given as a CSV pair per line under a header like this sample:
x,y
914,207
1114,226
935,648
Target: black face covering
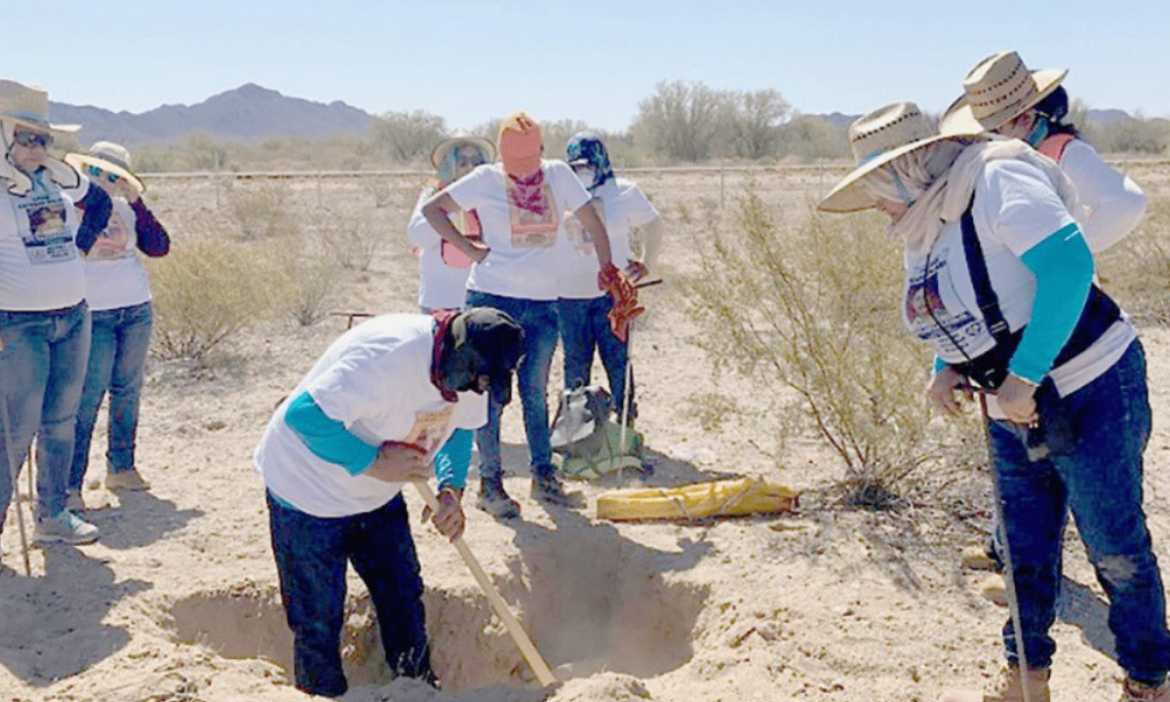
x,y
462,368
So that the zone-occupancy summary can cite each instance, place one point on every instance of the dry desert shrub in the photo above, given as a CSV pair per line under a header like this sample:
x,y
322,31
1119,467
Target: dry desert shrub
x,y
814,308
206,292
348,239
262,210
308,282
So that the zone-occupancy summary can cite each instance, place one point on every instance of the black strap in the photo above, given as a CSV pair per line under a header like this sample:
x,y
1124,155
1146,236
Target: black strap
x,y
990,369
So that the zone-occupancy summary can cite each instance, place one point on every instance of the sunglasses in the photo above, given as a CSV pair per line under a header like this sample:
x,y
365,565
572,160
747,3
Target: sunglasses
x,y
96,172
31,139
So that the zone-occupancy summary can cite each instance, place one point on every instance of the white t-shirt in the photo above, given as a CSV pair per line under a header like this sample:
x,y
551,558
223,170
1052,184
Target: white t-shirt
x,y
440,286
114,274
1115,203
1015,208
40,266
376,380
523,260
622,206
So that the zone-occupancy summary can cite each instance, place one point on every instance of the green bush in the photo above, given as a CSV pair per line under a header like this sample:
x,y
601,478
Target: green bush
x,y
814,310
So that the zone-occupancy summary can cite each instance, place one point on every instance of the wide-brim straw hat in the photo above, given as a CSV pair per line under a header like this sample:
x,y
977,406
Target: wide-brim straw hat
x,y
459,139
877,139
110,157
997,90
28,106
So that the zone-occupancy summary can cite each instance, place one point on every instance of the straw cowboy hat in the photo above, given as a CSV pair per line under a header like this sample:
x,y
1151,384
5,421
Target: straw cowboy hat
x,y
999,89
111,158
877,139
459,139
28,106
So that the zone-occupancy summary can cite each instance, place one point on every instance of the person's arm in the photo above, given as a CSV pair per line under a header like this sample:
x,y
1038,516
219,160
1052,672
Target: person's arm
x,y
453,460
597,234
328,438
1063,266
96,207
437,211
652,234
153,239
1116,204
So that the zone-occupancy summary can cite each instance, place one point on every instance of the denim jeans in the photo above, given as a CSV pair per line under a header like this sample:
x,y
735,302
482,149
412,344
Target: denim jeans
x,y
117,358
585,327
41,373
1100,482
538,318
311,554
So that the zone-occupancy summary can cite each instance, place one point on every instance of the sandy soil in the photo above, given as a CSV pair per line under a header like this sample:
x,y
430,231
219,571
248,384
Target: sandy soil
x,y
178,600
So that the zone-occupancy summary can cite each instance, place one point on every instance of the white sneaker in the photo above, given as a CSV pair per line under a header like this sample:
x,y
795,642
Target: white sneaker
x,y
66,527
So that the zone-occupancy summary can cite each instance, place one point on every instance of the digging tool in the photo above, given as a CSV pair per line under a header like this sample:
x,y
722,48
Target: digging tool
x,y
527,648
627,382
13,466
1009,572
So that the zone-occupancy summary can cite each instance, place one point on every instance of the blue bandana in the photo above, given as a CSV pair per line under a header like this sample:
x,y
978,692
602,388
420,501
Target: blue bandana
x,y
587,146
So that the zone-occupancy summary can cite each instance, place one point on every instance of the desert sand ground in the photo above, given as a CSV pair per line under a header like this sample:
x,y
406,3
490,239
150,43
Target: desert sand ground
x,y
178,600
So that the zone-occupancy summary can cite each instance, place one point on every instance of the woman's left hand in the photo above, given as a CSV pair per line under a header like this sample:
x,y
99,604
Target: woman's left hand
x,y
449,520
1015,398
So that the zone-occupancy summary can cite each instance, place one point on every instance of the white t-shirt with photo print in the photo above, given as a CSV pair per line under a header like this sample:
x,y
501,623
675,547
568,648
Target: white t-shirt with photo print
x,y
376,379
1015,208
114,274
523,259
622,206
40,265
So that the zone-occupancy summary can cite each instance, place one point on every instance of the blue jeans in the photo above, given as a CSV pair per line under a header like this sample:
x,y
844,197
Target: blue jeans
x,y
585,327
311,554
117,358
538,318
41,373
1100,482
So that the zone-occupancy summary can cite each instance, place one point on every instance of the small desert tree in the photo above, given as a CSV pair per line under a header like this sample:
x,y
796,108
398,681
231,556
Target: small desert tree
x,y
408,136
683,122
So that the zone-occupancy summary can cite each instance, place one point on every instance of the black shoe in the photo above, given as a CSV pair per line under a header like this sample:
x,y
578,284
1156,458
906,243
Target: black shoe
x,y
547,488
494,500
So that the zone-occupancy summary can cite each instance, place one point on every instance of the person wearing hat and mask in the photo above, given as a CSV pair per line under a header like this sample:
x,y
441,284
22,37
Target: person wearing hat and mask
x,y
582,308
1001,95
994,252
443,268
44,319
387,400
118,295
519,203
1034,107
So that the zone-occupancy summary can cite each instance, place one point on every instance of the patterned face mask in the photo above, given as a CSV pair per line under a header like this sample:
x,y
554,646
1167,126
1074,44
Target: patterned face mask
x,y
586,150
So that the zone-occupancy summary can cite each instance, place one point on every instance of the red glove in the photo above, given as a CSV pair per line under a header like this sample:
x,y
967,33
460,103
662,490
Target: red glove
x,y
614,281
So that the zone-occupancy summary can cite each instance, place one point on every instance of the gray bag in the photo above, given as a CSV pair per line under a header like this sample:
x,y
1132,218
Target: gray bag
x,y
578,429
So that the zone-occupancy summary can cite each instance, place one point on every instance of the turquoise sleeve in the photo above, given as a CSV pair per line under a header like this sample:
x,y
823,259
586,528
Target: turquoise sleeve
x,y
328,438
939,364
453,460
1063,266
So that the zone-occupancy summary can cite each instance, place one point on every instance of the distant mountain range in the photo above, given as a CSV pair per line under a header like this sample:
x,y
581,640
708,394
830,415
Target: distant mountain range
x,y
252,113
248,113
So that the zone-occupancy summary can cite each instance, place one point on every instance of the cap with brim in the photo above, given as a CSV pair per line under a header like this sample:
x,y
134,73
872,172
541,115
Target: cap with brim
x,y
999,89
28,106
109,157
877,139
520,145
446,145
497,340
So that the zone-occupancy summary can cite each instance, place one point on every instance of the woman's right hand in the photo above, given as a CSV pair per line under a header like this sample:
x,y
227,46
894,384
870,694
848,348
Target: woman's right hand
x,y
476,250
943,391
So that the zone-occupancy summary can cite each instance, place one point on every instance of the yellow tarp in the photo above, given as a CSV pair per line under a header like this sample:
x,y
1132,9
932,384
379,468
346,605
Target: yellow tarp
x,y
719,498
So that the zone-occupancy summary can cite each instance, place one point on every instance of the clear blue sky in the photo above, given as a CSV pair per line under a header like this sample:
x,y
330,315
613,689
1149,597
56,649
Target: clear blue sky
x,y
470,61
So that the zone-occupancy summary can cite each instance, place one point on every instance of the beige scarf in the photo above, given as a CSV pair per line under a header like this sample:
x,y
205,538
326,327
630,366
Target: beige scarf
x,y
940,180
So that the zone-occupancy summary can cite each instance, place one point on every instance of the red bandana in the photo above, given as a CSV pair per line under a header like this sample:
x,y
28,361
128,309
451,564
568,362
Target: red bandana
x,y
527,193
443,319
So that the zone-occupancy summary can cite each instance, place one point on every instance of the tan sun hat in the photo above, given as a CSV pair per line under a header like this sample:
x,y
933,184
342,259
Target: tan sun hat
x,y
459,139
998,89
28,106
878,138
111,158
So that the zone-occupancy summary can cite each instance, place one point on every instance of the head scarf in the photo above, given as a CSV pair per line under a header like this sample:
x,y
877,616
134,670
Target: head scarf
x,y
588,147
937,182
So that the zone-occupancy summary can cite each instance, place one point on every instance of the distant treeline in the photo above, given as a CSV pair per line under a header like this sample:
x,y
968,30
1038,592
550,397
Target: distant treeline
x,y
681,123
